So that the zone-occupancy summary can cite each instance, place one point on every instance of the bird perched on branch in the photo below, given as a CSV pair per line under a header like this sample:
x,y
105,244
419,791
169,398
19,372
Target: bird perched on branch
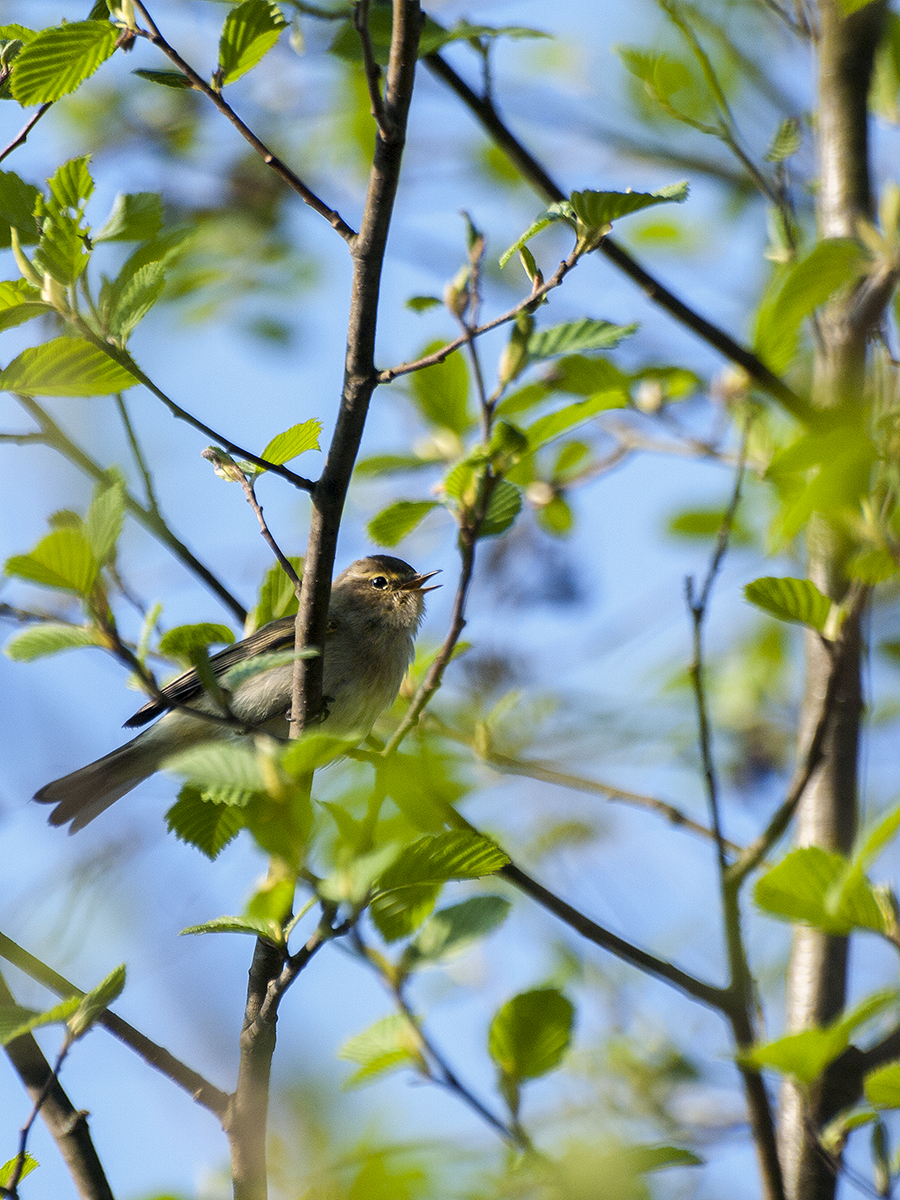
x,y
375,609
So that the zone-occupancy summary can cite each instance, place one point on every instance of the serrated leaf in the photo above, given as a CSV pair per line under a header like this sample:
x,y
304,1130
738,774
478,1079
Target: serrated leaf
x,y
296,440
65,367
561,211
260,927
387,1045
503,508
134,217
553,425
10,1168
398,520
441,392
50,637
183,641
251,29
16,1020
130,297
71,185
882,1086
58,60
456,854
786,141
796,888
808,284
277,597
95,1002
104,520
455,929
598,210
169,79
63,559
202,823
19,302
17,205
530,1034
400,911
221,766
789,599
577,337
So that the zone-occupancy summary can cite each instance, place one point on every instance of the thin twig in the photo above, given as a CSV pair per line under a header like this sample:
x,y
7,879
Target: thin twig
x,y
205,1093
42,1095
483,108
22,136
153,35
370,66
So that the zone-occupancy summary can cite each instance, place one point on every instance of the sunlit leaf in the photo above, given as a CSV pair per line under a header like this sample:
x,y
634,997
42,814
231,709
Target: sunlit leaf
x,y
251,30
202,823
183,641
790,599
261,927
50,637
296,440
386,1046
57,60
65,367
63,559
599,209
398,520
441,392
577,337
503,507
95,1002
135,217
882,1086
530,1034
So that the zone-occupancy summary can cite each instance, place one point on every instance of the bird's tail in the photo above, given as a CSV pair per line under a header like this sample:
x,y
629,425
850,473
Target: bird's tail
x,y
86,793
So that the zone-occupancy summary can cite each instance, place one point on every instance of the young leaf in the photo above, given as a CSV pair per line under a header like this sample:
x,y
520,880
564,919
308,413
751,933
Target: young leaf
x,y
17,204
530,1034
277,597
796,889
16,1020
71,185
95,1002
169,79
202,823
456,854
503,508
104,519
400,911
251,30
183,641
598,210
546,429
220,766
882,1086
58,60
127,300
385,1046
261,927
398,520
790,599
441,392
455,929
50,637
562,211
9,1169
63,559
786,141
65,367
296,440
19,302
577,337
135,217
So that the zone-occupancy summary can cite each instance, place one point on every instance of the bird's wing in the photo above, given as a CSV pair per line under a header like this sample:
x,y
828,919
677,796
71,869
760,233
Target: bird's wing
x,y
277,635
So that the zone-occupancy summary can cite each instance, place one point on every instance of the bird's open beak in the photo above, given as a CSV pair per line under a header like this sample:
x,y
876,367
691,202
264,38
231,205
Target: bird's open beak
x,y
415,584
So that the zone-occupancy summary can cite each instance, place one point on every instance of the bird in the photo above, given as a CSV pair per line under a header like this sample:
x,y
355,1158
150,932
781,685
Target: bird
x,y
374,612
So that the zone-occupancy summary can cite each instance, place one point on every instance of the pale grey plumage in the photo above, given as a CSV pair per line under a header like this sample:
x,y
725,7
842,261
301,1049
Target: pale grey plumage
x,y
375,609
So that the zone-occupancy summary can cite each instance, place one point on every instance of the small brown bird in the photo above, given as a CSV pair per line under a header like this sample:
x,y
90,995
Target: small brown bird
x,y
375,610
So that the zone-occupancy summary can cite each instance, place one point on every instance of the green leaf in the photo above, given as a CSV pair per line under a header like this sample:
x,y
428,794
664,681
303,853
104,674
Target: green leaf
x,y
16,1020
184,641
577,337
805,1055
852,6
261,927
213,764
62,251
296,440
169,79
19,302
796,889
251,30
530,1034
790,599
553,425
127,300
398,520
456,854
400,911
50,637
441,392
561,211
9,1169
423,303
134,217
387,1045
706,523
277,597
201,822
503,508
455,929
807,284
104,519
387,464
95,1002
641,1160
63,559
65,367
786,141
17,204
71,185
598,210
882,1086
58,60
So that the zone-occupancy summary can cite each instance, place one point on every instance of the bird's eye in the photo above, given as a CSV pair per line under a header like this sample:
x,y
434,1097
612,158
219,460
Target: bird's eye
x,y
379,582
